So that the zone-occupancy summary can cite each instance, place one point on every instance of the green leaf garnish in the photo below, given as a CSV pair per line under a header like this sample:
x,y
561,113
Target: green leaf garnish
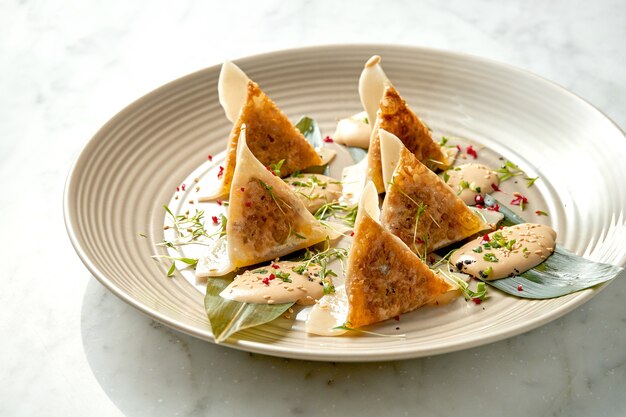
x,y
170,272
343,212
310,130
530,181
228,317
275,168
284,276
490,257
508,171
468,293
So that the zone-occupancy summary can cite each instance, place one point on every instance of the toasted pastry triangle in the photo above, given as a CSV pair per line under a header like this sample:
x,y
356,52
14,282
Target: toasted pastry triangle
x,y
266,219
420,208
271,136
396,117
384,278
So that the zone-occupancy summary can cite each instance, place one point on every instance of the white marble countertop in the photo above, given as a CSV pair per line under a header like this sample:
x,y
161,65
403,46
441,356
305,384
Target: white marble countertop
x,y
70,348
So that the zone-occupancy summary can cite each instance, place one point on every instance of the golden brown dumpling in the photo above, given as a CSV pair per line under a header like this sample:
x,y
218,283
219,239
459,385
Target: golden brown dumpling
x,y
384,277
266,219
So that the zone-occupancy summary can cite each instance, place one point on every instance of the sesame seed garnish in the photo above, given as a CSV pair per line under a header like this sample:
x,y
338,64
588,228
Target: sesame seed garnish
x,y
196,180
267,297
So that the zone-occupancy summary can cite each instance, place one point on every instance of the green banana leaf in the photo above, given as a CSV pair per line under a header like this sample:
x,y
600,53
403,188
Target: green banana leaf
x,y
228,317
560,274
310,130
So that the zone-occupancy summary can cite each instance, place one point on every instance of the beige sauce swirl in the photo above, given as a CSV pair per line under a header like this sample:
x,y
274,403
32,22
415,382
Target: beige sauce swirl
x,y
470,180
315,190
277,283
507,252
354,131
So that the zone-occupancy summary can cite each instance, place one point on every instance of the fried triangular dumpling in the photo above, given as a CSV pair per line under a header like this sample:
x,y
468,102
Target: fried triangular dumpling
x,y
384,278
419,207
266,219
271,136
394,116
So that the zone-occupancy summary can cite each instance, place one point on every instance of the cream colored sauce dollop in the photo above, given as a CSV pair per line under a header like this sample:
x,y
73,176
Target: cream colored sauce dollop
x,y
524,246
315,190
354,131
470,180
329,313
264,285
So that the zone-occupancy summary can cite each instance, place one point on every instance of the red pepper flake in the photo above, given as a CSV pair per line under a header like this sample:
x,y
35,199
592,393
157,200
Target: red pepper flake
x,y
486,238
215,220
275,266
495,207
219,202
520,288
476,300
471,151
459,148
479,199
210,157
479,206
397,318
242,189
220,174
328,139
182,187
248,203
541,213
519,200
351,234
495,187
177,189
266,281
271,277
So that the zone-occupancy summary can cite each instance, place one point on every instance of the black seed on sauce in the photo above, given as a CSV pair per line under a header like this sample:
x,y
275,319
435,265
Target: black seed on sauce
x,y
469,261
459,265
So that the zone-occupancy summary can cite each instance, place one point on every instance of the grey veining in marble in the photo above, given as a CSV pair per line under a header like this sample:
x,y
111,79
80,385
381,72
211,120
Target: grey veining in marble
x,y
70,348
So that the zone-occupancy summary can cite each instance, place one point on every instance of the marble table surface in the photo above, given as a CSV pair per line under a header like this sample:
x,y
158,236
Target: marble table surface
x,y
70,348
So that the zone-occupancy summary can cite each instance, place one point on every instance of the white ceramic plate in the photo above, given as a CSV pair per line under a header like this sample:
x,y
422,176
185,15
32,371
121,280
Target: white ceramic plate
x,y
132,166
